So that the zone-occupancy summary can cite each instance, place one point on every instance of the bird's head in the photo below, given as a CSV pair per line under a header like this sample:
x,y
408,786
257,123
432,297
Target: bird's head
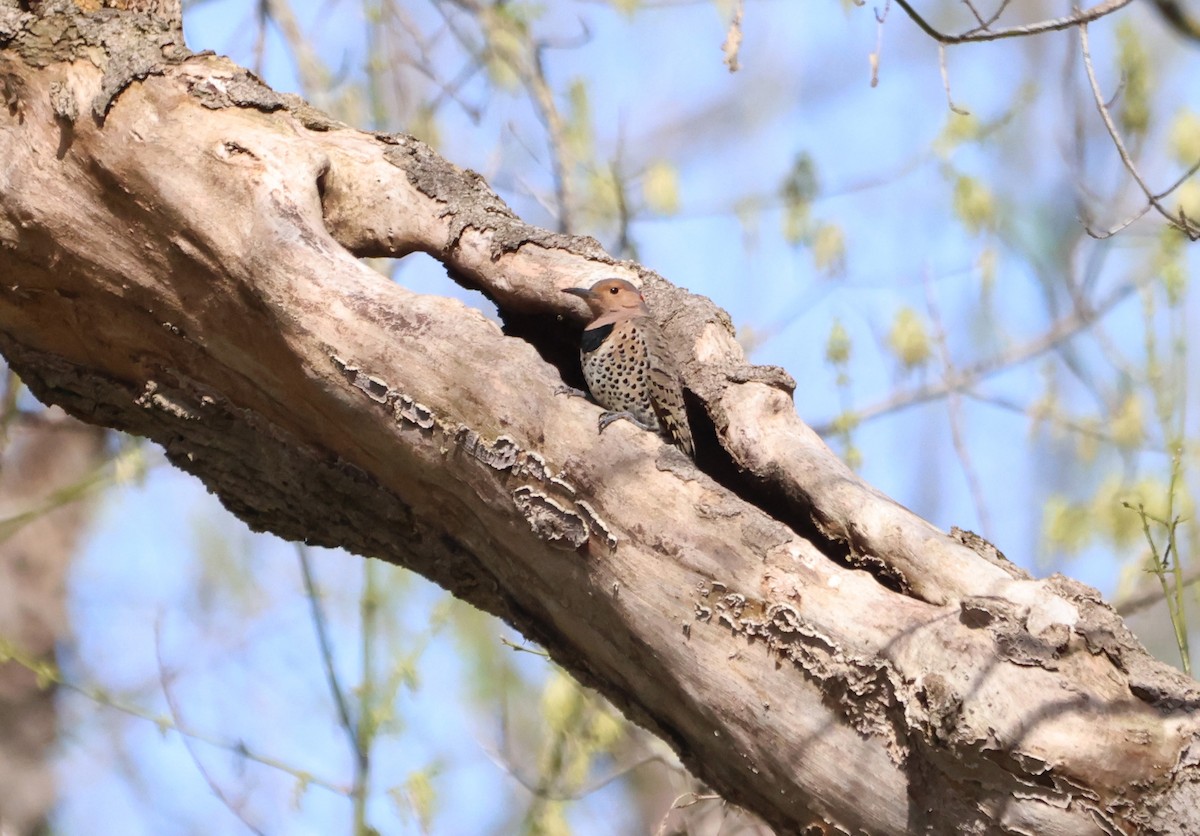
x,y
610,296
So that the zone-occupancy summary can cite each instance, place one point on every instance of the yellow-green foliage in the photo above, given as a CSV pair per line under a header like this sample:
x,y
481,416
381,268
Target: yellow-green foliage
x,y
45,672
829,248
424,126
506,27
798,190
987,265
1114,498
578,728
578,133
909,338
1070,526
973,204
1088,438
1134,62
853,457
1187,198
660,188
605,730
795,222
1066,526
1185,137
417,798
1169,261
550,820
959,128
845,422
560,702
1127,425
838,344
602,199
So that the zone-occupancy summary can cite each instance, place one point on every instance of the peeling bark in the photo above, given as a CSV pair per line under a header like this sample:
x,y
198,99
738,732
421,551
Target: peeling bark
x,y
184,269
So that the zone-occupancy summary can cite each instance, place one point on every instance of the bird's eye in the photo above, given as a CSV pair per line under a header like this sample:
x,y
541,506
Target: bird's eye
x,y
614,290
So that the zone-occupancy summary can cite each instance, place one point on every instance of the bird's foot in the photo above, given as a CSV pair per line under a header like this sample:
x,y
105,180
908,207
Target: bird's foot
x,y
607,418
564,389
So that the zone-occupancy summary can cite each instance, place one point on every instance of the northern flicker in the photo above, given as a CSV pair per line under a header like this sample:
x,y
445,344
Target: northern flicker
x,y
628,368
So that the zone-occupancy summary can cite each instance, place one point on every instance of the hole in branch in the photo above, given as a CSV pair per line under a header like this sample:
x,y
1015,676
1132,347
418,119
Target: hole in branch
x,y
422,273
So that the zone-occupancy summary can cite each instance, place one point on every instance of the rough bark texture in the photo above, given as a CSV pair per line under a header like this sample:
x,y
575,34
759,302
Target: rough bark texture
x,y
177,247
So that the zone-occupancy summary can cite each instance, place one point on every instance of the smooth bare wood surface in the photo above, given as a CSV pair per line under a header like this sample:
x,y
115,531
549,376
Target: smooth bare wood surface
x,y
184,267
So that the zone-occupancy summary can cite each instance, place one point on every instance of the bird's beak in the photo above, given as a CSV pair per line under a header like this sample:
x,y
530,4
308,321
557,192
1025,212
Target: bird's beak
x,y
583,293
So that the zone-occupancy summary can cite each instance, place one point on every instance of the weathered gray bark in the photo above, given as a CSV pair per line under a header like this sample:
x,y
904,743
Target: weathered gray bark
x,y
178,260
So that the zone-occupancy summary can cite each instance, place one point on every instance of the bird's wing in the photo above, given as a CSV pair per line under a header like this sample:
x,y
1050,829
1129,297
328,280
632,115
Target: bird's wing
x,y
666,392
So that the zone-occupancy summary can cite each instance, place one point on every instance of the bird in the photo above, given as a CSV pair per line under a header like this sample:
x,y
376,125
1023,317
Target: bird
x,y
627,364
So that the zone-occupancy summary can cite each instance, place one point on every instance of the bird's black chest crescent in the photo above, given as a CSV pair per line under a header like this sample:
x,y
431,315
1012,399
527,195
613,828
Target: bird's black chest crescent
x,y
593,337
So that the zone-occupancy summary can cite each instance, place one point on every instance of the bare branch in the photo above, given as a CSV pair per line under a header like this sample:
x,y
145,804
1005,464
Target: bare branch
x,y
320,624
530,68
1136,603
946,82
983,33
969,376
1178,18
234,807
1177,220
954,408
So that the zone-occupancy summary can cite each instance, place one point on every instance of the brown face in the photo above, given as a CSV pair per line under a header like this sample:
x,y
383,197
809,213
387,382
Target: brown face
x,y
609,295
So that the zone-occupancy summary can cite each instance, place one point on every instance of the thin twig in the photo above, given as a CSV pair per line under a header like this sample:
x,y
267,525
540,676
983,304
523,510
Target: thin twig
x,y
321,625
533,75
314,75
213,785
1060,421
1150,597
1177,17
982,33
522,649
50,675
969,376
1172,595
946,82
877,56
986,24
130,459
365,728
262,16
954,409
687,799
544,793
626,248
1178,615
1118,227
8,404
562,163
1183,178
1178,221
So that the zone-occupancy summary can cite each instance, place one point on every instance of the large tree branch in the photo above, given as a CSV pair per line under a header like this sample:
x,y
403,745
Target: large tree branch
x,y
184,269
